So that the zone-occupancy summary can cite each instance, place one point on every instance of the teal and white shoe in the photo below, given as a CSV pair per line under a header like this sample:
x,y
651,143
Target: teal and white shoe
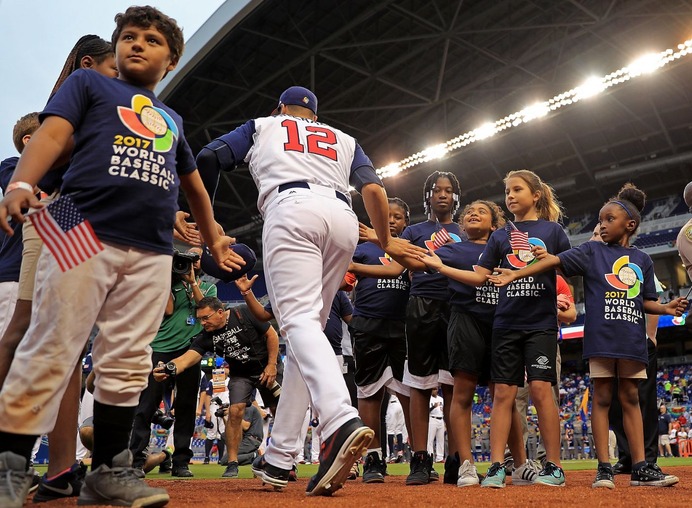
x,y
495,478
552,475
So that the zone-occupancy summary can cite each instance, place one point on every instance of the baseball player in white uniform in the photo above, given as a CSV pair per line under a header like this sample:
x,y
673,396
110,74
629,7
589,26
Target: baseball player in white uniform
x,y
302,169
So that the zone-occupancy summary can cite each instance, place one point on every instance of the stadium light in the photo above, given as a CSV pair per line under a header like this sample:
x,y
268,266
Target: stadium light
x,y
644,65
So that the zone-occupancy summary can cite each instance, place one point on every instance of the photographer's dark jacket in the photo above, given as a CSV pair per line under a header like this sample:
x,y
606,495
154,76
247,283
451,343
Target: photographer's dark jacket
x,y
240,342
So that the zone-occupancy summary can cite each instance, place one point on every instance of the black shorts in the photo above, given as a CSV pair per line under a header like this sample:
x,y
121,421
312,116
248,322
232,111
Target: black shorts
x,y
516,350
470,342
377,344
426,336
241,389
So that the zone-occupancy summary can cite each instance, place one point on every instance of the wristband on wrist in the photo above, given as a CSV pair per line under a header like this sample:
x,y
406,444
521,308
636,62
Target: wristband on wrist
x,y
194,284
19,185
245,293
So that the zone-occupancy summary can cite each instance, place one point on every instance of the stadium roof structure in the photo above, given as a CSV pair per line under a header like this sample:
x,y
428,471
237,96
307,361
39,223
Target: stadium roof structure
x,y
405,75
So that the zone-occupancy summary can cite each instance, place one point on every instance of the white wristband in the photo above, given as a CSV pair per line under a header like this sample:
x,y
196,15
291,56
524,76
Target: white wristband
x,y
19,185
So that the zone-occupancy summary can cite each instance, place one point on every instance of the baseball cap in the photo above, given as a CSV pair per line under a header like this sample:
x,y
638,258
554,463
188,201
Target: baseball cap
x,y
299,96
210,267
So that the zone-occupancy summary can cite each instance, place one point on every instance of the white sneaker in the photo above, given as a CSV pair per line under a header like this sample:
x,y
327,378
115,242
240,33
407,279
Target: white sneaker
x,y
468,475
526,474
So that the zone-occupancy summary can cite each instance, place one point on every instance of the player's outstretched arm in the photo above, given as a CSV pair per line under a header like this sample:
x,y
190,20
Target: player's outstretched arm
x,y
200,205
377,207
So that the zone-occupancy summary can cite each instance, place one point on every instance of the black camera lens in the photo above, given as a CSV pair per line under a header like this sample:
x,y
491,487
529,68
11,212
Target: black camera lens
x,y
170,369
162,420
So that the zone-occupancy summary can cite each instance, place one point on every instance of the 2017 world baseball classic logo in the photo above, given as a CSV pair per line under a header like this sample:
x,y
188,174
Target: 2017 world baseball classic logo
x,y
626,276
149,122
521,257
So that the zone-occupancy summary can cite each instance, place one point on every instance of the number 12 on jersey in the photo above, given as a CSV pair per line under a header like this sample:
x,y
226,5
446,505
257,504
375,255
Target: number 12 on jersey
x,y
318,140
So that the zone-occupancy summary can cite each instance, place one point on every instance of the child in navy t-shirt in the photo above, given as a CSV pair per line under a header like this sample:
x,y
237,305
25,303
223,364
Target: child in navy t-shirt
x,y
619,290
130,157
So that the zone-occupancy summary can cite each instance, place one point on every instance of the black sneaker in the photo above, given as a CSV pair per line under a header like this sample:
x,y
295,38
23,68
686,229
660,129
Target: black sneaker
x,y
650,475
622,468
452,465
338,453
271,475
604,477
67,484
182,472
420,469
374,469
206,460
35,482
293,474
167,465
231,470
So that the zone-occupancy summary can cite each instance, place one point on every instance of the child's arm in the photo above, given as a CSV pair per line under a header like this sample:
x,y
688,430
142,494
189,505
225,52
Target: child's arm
x,y
39,155
256,309
674,307
506,275
389,271
200,206
468,277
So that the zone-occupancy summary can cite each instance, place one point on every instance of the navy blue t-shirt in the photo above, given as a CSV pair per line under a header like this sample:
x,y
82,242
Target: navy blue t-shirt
x,y
129,150
481,301
379,298
429,285
529,303
616,281
341,306
10,246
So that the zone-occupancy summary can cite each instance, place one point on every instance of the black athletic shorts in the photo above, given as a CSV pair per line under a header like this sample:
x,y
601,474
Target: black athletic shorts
x,y
426,336
516,350
470,342
377,344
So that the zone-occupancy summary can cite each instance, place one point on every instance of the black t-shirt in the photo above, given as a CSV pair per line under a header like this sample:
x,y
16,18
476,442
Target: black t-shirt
x,y
240,342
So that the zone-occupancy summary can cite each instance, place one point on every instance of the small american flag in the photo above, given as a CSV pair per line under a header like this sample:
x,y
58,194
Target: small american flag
x,y
518,240
68,236
441,238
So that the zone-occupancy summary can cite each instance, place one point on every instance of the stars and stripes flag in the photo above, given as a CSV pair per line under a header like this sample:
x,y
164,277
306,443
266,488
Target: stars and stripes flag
x,y
441,238
518,240
68,236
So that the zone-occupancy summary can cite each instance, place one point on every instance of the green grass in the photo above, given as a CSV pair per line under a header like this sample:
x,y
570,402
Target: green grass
x,y
214,471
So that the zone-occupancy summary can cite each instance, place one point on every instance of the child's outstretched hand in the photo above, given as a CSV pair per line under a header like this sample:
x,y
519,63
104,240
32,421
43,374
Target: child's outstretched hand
x,y
245,284
431,260
12,204
224,256
186,231
366,234
502,277
539,252
677,307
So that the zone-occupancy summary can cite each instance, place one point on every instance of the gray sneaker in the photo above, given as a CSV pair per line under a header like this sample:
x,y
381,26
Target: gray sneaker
x,y
15,480
120,485
231,470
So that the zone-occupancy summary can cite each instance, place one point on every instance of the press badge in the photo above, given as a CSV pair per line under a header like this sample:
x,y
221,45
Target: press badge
x,y
218,380
191,320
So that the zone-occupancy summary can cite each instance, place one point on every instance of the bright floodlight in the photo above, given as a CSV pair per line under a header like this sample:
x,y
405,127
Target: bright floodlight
x,y
645,64
435,152
590,87
389,170
534,111
485,131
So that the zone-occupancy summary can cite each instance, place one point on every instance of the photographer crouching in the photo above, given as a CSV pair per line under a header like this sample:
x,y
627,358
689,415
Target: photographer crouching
x,y
178,327
250,348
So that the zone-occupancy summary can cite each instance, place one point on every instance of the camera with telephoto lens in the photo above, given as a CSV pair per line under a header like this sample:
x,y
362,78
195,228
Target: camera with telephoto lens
x,y
183,261
275,389
223,406
162,419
